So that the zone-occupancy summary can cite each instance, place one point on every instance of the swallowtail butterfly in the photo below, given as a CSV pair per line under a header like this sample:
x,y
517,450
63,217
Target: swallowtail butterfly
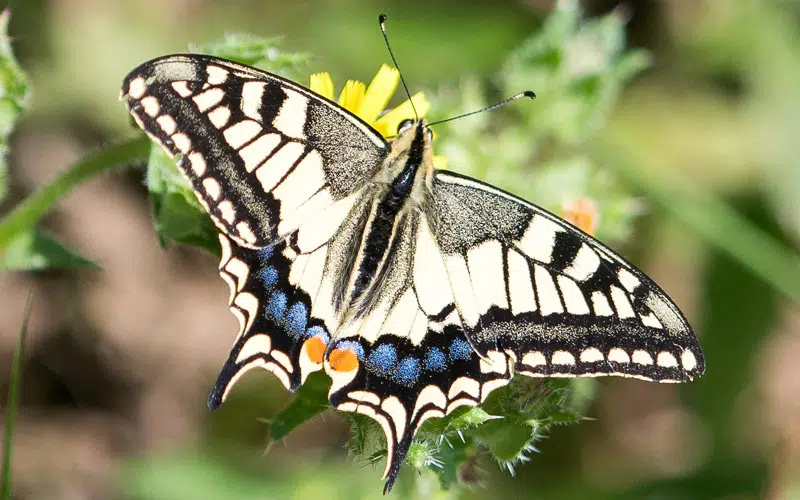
x,y
417,290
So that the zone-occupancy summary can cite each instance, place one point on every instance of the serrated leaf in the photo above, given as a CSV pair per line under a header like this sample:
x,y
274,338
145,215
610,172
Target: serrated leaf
x,y
34,250
506,439
310,400
177,214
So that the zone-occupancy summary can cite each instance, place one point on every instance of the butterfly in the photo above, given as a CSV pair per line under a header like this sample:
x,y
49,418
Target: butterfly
x,y
416,290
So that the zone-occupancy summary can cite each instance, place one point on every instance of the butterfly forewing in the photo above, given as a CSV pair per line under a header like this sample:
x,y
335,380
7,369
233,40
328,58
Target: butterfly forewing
x,y
262,154
557,302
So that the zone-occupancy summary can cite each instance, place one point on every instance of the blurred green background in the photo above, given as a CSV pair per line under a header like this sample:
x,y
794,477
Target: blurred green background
x,y
120,359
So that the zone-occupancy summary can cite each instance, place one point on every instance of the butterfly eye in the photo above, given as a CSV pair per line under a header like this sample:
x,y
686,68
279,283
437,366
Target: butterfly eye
x,y
405,124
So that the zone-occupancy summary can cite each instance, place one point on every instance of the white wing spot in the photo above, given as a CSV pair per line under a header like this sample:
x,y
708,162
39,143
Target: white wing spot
x,y
688,360
621,302
591,355
601,305
618,355
257,151
430,394
365,396
198,164
562,358
219,116
227,211
212,187
208,99
182,88
666,360
137,87
291,119
255,345
485,263
495,362
151,106
167,124
584,264
240,133
491,385
464,385
216,75
430,275
549,300
534,358
573,297
245,232
650,320
252,92
520,284
462,288
539,239
182,142
278,164
628,280
397,412
642,357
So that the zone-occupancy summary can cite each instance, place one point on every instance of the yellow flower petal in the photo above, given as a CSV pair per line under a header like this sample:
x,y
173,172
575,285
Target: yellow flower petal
x,y
322,84
378,93
392,119
352,96
440,162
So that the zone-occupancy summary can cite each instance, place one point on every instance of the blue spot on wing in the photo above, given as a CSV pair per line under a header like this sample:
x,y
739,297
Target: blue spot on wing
x,y
435,360
296,319
268,276
277,305
266,253
353,346
407,370
318,331
460,350
383,357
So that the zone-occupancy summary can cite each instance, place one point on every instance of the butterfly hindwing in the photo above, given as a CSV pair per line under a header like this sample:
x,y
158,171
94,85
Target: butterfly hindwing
x,y
534,289
262,154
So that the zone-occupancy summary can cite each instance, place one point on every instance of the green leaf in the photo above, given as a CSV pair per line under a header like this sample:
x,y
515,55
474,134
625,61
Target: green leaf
x,y
257,51
177,214
13,398
25,215
34,250
310,400
14,96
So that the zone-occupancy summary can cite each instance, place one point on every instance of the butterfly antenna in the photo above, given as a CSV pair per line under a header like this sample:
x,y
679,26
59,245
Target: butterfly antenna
x,y
382,21
527,93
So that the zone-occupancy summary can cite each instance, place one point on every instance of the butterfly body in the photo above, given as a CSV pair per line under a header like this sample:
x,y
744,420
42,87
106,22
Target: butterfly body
x,y
416,290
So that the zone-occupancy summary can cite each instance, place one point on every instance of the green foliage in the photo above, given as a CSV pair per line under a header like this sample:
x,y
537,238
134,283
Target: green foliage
x,y
538,150
13,402
34,250
14,96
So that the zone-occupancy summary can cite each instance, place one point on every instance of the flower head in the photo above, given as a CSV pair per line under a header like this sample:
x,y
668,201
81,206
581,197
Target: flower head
x,y
369,101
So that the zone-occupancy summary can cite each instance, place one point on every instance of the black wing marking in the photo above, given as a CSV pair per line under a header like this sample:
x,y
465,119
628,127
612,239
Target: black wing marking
x,y
262,154
407,358
283,296
534,289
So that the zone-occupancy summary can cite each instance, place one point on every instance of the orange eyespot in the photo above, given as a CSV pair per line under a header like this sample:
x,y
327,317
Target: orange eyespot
x,y
343,360
315,349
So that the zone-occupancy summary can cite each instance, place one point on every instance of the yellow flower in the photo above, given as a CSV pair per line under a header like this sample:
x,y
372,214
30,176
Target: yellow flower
x,y
367,102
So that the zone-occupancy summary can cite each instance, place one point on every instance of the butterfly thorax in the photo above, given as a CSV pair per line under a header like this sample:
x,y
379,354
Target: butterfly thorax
x,y
401,197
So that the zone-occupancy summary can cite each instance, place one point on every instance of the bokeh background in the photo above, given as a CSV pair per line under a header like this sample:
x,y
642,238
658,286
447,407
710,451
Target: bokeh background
x,y
120,359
